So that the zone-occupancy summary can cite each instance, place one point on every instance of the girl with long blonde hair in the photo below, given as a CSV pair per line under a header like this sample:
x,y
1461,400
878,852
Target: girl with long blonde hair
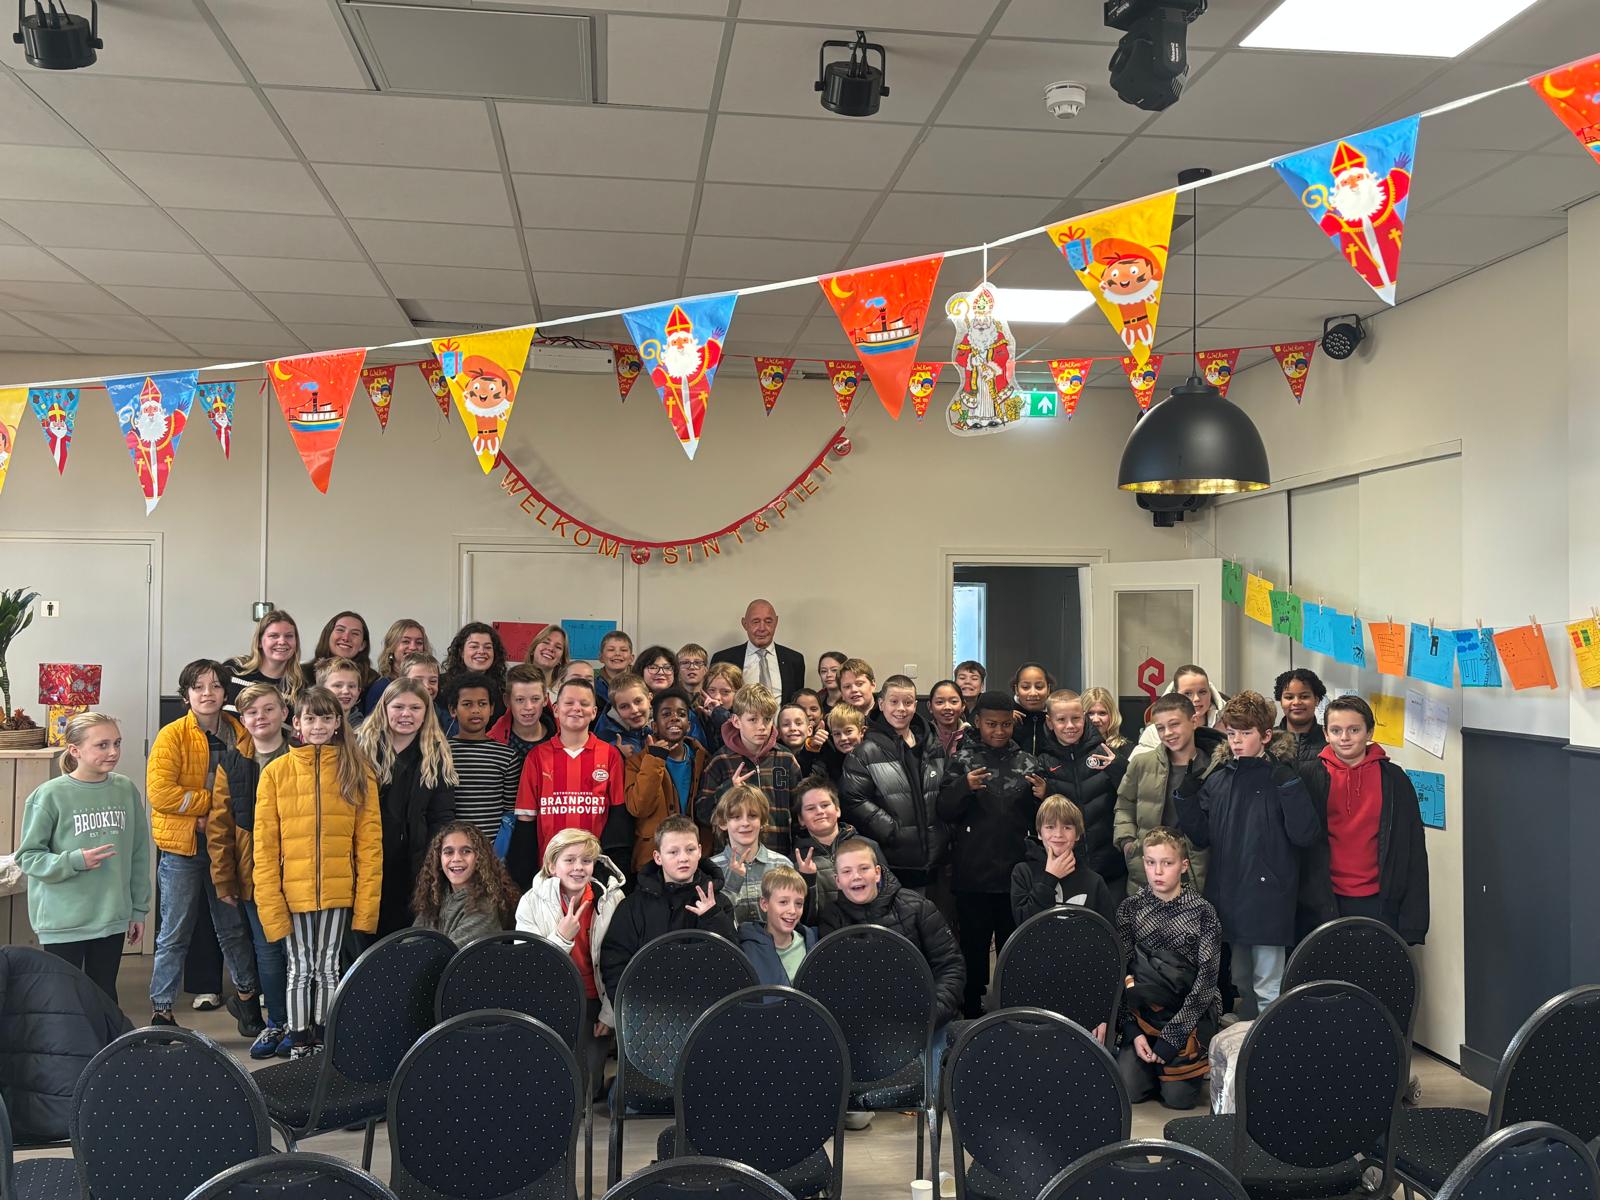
x,y
1100,706
274,657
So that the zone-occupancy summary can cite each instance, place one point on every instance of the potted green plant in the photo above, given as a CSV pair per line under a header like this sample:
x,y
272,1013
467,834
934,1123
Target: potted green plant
x,y
17,730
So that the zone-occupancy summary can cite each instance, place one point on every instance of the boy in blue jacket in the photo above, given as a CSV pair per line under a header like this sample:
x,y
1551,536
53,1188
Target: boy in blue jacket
x,y
1254,813
778,946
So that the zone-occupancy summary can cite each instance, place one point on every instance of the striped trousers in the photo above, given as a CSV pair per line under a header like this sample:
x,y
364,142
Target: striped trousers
x,y
313,954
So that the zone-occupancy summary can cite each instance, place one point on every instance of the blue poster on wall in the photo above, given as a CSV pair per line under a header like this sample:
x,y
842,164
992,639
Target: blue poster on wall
x,y
1430,796
584,637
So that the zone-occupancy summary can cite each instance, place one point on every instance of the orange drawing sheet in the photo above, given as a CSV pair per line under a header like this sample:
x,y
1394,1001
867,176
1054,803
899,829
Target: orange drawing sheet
x,y
1388,647
1525,657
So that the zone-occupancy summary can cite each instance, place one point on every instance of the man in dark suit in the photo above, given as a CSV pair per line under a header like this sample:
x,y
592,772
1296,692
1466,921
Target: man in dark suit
x,y
760,658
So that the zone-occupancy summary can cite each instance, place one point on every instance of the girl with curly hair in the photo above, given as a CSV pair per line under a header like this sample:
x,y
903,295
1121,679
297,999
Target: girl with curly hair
x,y
476,647
463,890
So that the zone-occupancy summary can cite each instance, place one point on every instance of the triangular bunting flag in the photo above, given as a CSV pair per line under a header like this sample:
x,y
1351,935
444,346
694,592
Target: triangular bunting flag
x,y
483,370
57,410
1573,94
12,402
218,400
1295,359
681,345
434,374
628,365
1069,376
379,382
314,391
1216,367
924,378
1356,189
772,374
883,310
153,410
1120,255
845,376
1142,377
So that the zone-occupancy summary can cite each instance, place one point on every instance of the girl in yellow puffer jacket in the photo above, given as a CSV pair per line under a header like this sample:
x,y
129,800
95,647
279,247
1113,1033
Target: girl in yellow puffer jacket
x,y
318,856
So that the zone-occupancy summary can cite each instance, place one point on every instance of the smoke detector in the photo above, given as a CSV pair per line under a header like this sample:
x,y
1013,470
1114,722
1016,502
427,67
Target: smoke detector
x,y
1065,99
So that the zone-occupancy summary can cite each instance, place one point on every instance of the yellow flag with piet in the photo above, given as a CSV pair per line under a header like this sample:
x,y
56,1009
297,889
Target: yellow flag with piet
x,y
1120,255
483,371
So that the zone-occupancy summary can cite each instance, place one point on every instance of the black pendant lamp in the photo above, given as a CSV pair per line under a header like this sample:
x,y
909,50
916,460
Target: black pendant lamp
x,y
1196,441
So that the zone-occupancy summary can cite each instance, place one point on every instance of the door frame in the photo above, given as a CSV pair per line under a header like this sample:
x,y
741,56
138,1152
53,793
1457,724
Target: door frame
x,y
1209,587
463,546
987,556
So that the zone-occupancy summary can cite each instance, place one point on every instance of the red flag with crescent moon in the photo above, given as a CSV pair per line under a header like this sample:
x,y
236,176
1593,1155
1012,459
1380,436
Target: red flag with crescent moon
x,y
314,391
1295,360
924,378
1216,367
1573,94
1069,376
437,383
1142,377
883,309
625,359
772,374
845,376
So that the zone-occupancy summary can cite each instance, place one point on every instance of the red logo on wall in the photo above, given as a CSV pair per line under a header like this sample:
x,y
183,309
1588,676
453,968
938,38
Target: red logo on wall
x,y
1152,674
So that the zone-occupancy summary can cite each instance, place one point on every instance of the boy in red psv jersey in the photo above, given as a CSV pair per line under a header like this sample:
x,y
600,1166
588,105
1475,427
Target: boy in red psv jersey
x,y
573,780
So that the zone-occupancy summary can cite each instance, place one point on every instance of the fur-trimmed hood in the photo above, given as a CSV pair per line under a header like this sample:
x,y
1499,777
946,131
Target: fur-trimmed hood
x,y
1280,745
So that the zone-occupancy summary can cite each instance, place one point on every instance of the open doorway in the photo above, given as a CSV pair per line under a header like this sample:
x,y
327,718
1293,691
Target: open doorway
x,y
1003,616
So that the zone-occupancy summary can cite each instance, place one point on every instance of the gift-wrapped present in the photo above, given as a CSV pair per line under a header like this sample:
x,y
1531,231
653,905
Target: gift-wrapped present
x,y
69,683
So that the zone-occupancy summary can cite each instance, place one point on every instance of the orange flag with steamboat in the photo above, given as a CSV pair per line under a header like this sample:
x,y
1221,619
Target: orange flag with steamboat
x,y
883,310
314,391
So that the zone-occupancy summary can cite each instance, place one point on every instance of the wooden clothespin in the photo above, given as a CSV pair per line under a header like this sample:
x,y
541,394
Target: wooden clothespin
x,y
1534,621
1480,625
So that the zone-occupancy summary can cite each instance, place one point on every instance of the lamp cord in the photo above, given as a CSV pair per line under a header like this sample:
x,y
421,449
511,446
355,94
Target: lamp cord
x,y
1194,284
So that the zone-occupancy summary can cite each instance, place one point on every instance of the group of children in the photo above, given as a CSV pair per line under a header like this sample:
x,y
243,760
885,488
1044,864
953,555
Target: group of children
x,y
315,807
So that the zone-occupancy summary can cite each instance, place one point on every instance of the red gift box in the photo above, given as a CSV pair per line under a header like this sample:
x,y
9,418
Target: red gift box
x,y
69,683
517,636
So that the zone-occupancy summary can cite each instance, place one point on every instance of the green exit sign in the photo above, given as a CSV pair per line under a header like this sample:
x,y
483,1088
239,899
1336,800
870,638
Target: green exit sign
x,y
1042,404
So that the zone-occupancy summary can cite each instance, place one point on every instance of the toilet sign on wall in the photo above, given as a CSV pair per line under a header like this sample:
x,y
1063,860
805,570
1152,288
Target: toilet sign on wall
x,y
1152,674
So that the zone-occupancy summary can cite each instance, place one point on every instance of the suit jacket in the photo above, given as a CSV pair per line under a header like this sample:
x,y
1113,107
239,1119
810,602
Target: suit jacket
x,y
791,666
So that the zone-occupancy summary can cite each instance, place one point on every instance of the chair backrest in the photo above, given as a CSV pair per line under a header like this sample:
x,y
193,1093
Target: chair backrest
x,y
662,993
1065,960
1549,1069
485,1105
160,1111
1126,1171
1533,1160
296,1176
1366,953
1030,1092
783,1098
692,1178
518,972
1319,1078
879,989
385,1003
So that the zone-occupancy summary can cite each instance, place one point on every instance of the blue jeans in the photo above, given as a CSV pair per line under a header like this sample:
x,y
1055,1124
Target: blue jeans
x,y
272,966
181,878
1258,976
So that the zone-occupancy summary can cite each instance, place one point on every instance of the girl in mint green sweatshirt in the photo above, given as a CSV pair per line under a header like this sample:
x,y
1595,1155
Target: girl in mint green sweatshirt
x,y
85,848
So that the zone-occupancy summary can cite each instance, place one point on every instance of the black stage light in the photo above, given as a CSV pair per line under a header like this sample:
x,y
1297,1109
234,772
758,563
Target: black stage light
x,y
1340,340
1151,63
852,87
56,40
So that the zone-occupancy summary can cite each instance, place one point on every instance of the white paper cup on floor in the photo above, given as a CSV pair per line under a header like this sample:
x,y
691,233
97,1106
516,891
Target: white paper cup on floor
x,y
922,1189
947,1184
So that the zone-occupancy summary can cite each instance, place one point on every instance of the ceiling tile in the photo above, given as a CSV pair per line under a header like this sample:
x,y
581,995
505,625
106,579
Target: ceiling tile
x,y
32,264
1292,318
26,119
114,113
597,140
1514,120
754,210
772,69
776,150
951,220
457,283
430,243
840,16
143,348
458,312
1266,232
786,302
1547,35
577,202
222,352
1227,275
93,325
291,41
331,278
58,297
1083,20
147,267
268,234
54,173
338,310
638,49
592,291
265,334
1536,183
12,327
1333,280
768,260
611,253
215,181
97,226
418,194
338,337
1150,164
157,39
389,130
189,302
1010,162
1473,241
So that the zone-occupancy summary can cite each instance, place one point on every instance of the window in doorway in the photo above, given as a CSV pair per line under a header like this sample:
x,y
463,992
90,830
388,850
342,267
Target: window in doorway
x,y
971,622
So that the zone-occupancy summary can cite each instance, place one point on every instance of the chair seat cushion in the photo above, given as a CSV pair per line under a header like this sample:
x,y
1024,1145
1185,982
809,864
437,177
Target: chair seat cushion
x,y
809,1177
901,1090
1433,1141
47,1179
288,1088
1265,1177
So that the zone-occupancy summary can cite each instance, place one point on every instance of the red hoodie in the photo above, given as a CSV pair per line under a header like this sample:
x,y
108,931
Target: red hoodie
x,y
1355,807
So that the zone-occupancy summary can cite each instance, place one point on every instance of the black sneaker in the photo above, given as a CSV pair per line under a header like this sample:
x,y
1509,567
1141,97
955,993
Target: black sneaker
x,y
164,1018
300,1044
246,1014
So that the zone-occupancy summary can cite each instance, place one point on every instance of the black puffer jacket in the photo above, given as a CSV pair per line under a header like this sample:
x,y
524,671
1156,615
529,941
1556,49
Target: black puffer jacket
x,y
656,907
989,826
1031,730
914,917
1307,745
52,1022
890,791
412,813
1067,773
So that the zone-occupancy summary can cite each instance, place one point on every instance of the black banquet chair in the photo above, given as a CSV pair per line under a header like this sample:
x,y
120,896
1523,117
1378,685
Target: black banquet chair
x,y
1547,1073
37,1178
660,996
486,1105
1318,1088
1366,953
1065,960
296,1176
1126,1171
784,1102
382,1006
1530,1161
879,989
160,1111
690,1178
1028,1093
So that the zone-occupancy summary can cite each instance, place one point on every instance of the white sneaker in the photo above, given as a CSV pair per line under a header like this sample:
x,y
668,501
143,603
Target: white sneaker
x,y
207,1002
857,1120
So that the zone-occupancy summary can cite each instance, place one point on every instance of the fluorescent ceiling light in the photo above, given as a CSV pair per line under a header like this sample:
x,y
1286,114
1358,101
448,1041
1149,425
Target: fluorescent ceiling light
x,y
1039,306
1413,28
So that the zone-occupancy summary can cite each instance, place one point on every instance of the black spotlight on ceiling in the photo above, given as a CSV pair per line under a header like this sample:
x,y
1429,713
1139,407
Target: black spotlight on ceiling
x,y
1341,336
1151,63
852,87
54,39
1195,442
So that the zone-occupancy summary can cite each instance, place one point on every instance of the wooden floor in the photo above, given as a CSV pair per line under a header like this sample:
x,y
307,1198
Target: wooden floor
x,y
880,1161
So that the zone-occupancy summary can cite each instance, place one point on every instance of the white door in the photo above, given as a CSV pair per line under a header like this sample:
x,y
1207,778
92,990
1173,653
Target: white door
x,y
546,583
1147,619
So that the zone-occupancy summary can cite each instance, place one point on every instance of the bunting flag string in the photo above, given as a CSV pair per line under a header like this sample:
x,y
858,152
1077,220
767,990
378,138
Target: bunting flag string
x,y
1069,375
1217,367
153,411
483,371
219,399
57,410
628,365
379,383
12,402
314,392
1573,94
1120,256
1142,377
437,384
681,346
883,310
845,377
772,374
924,378
1294,359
